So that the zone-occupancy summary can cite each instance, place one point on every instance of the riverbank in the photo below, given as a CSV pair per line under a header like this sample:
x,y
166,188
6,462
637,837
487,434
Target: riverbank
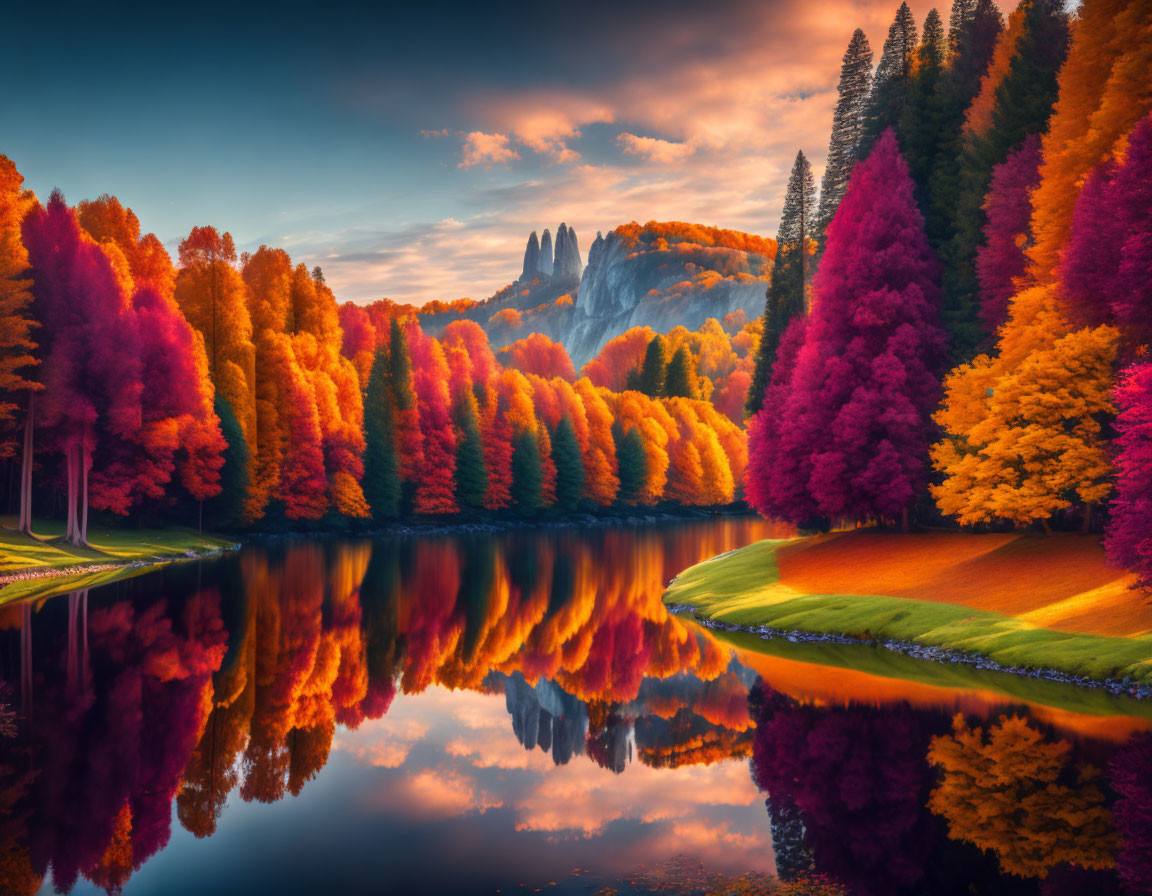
x,y
23,558
1047,608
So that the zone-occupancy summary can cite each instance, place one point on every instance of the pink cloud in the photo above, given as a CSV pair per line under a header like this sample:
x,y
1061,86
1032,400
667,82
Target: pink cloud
x,y
653,148
486,149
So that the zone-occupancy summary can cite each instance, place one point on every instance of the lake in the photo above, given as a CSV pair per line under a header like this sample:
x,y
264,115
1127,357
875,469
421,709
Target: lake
x,y
518,713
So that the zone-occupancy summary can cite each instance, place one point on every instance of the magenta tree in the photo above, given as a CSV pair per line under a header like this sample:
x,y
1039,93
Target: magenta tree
x,y
856,425
1008,207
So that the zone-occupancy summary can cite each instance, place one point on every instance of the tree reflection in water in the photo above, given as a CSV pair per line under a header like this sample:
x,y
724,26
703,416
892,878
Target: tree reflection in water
x,y
231,678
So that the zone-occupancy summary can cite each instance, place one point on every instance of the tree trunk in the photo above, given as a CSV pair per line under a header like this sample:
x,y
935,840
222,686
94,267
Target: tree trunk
x,y
70,461
905,527
26,659
1047,528
1087,527
85,466
25,525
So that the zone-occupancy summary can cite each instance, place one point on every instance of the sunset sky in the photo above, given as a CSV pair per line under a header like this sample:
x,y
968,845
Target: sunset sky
x,y
409,151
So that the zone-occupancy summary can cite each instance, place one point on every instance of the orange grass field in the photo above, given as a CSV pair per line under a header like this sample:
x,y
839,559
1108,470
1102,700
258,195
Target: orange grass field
x,y
1025,601
1059,582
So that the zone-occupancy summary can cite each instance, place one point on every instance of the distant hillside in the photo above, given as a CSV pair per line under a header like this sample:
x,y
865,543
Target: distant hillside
x,y
660,275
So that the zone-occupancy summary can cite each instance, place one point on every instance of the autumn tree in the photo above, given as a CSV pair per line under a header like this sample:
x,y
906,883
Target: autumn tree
x,y
1104,264
856,425
787,293
91,366
847,126
1002,260
16,329
435,493
1104,92
1012,452
538,354
1129,536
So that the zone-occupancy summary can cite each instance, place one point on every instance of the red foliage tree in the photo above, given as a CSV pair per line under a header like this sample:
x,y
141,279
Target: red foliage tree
x,y
764,488
1008,207
539,355
436,476
91,367
1105,263
856,426
1129,536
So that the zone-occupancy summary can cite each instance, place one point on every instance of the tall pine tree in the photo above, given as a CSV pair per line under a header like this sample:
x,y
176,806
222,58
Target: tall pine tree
x,y
652,371
631,461
847,125
893,78
569,466
471,474
920,129
787,293
680,381
527,473
1023,104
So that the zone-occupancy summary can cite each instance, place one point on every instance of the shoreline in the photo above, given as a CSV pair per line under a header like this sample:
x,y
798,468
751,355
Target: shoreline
x,y
97,566
935,654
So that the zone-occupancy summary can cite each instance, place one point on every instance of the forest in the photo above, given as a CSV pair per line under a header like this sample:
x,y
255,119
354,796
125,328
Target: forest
x,y
955,333
957,330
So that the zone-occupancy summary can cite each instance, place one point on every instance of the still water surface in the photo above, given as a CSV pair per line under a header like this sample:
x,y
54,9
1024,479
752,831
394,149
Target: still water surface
x,y
457,714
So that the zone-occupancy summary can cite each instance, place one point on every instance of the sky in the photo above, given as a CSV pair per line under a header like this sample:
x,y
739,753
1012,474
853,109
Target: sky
x,y
410,150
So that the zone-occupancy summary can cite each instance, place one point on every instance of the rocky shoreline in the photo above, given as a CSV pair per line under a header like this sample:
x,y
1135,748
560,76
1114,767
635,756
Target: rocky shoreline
x,y
945,655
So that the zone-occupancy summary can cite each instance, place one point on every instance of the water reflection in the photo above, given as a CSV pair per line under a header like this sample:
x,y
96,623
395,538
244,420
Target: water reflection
x,y
530,692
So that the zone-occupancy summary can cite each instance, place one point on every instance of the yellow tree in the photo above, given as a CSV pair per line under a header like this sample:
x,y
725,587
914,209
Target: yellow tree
x,y
1012,792
1022,430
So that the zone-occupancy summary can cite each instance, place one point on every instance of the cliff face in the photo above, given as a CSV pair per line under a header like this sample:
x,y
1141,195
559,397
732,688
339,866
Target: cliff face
x,y
656,275
663,276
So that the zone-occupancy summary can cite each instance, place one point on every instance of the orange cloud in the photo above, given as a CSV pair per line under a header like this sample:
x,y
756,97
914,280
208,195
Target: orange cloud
x,y
487,150
653,148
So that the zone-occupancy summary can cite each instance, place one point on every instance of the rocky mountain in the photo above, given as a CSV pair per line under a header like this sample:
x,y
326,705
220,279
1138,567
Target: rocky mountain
x,y
659,274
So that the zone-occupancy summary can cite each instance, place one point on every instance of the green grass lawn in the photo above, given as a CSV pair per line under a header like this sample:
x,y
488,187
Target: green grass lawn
x,y
743,588
19,553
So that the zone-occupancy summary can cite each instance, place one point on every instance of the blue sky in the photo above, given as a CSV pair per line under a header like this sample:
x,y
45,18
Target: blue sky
x,y
409,150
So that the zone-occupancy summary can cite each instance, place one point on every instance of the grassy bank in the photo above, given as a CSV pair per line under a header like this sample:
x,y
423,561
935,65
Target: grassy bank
x,y
22,557
1020,601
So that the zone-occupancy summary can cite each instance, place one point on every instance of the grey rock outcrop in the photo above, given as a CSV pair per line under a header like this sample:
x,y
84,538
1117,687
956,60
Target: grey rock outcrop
x,y
567,266
623,288
532,257
544,265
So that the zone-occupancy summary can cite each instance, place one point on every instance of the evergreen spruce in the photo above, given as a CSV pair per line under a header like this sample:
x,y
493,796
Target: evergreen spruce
x,y
381,482
225,510
963,11
527,475
786,295
471,474
653,369
631,462
921,127
569,466
971,49
1024,102
893,79
680,380
847,125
